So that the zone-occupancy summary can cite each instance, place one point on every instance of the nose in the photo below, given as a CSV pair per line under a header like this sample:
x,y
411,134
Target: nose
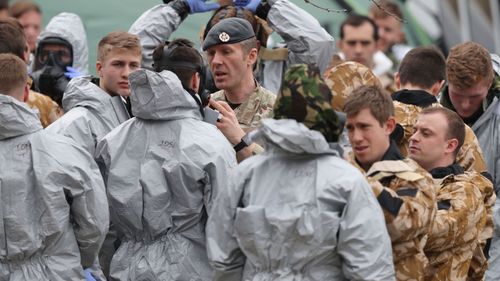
x,y
413,138
465,104
216,59
126,71
355,136
358,48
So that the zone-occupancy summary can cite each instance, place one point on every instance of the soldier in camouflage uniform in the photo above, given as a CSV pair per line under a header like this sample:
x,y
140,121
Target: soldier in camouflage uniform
x,y
420,78
461,216
404,190
234,75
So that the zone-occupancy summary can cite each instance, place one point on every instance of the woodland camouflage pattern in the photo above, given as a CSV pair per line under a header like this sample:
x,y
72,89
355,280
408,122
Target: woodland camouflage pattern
x,y
404,183
470,155
257,107
345,78
305,97
459,221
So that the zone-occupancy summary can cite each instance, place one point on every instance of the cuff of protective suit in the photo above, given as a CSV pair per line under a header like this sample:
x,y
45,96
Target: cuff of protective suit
x,y
263,9
181,7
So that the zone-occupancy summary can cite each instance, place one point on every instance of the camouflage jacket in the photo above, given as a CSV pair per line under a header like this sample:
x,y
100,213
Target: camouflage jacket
x,y
459,221
406,194
407,106
48,109
257,107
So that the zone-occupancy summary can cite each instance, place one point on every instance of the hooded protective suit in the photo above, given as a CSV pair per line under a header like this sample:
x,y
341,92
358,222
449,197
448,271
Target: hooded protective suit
x,y
91,113
69,27
297,212
54,213
162,169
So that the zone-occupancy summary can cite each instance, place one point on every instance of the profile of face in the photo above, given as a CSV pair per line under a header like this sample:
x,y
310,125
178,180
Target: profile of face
x,y
32,25
428,144
358,44
389,31
115,69
230,65
54,54
468,101
369,139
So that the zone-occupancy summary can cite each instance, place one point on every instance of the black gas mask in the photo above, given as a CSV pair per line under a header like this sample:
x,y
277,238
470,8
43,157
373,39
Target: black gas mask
x,y
50,66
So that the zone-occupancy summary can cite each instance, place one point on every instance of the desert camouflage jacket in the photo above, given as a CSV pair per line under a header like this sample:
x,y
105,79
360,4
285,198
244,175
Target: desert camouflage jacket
x,y
48,109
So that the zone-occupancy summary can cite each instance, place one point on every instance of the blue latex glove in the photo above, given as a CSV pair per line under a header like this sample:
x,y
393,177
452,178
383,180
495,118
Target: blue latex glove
x,y
200,6
247,4
88,275
71,72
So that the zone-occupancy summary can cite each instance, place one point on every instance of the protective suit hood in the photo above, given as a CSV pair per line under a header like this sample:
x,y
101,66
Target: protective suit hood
x,y
290,136
69,27
160,96
17,118
82,92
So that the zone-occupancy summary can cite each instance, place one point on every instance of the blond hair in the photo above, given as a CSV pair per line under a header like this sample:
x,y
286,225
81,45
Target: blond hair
x,y
118,40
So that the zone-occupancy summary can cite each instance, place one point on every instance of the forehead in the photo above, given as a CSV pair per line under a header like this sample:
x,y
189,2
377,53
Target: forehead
x,y
122,54
363,32
391,22
54,47
220,47
30,16
479,89
363,116
435,122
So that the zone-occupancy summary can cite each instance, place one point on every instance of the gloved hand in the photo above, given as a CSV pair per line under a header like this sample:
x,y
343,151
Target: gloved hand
x,y
200,6
88,275
71,72
247,4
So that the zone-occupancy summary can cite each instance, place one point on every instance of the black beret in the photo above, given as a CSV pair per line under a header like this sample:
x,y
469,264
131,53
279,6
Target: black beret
x,y
228,31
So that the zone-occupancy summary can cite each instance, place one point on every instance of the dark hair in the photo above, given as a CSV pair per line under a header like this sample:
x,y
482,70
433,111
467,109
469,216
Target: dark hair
x,y
456,126
22,7
4,4
372,97
356,21
180,57
12,38
423,67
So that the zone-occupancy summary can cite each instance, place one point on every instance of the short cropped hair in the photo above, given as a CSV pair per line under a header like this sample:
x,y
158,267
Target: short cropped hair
x,y
384,9
118,40
4,4
456,126
356,21
22,7
423,67
13,73
468,64
372,97
12,38
181,50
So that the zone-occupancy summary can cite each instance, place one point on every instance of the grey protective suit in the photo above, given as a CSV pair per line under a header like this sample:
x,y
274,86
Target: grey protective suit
x,y
54,213
162,169
306,40
69,27
298,212
91,113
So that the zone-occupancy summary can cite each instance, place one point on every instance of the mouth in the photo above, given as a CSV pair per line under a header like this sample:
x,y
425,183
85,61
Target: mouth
x,y
220,75
413,149
123,85
360,149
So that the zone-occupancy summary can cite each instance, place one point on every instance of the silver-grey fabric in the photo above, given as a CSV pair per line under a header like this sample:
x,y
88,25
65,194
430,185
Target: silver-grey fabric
x,y
90,113
306,40
54,213
162,170
297,212
69,27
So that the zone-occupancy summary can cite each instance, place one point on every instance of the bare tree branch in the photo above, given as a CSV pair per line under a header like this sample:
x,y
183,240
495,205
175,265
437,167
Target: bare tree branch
x,y
326,9
377,4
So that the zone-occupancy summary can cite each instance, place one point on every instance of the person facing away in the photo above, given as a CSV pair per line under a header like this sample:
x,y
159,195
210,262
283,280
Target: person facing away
x,y
419,80
456,235
93,107
298,211
162,169
54,212
404,190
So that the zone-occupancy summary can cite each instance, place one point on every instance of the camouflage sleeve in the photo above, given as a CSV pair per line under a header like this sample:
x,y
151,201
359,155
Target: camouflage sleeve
x,y
409,206
470,155
456,223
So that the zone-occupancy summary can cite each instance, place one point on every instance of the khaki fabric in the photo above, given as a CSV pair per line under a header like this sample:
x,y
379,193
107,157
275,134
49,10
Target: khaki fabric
x,y
48,109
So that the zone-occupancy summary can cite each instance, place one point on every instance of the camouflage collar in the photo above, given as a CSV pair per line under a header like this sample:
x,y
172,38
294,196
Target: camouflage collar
x,y
393,152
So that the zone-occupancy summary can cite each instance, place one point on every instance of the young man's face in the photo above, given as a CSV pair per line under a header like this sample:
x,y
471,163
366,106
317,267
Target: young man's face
x,y
230,65
358,44
115,68
428,144
389,31
368,138
32,25
468,101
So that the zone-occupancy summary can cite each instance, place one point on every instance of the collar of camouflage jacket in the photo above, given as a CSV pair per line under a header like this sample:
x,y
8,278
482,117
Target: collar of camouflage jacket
x,y
419,98
393,152
17,118
441,172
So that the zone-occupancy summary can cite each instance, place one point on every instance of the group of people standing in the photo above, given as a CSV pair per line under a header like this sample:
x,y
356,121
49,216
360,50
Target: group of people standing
x,y
245,162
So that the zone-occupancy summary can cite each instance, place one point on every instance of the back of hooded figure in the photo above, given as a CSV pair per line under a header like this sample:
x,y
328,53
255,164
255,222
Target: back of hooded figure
x,y
298,211
162,169
53,214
